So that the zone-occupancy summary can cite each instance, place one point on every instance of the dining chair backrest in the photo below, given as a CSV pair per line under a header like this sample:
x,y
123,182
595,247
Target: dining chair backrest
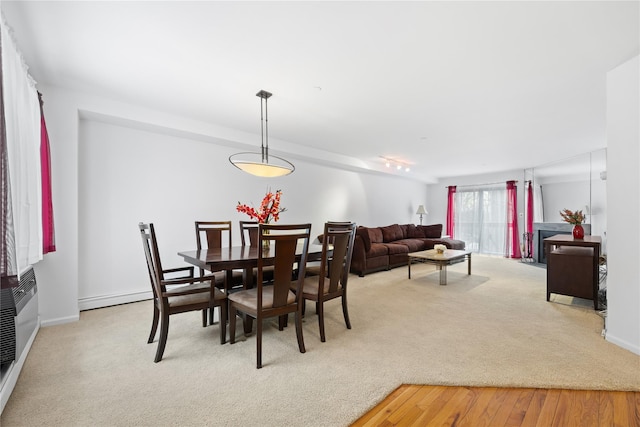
x,y
287,239
152,255
212,232
337,248
249,233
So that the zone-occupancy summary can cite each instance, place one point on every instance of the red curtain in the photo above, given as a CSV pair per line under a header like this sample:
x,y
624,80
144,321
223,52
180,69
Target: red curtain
x,y
513,238
451,210
48,234
529,223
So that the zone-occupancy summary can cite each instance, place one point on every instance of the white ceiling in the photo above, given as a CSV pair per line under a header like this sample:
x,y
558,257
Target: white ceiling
x,y
452,88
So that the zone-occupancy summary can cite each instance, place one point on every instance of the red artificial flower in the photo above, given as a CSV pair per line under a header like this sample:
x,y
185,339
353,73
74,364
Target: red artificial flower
x,y
269,208
574,218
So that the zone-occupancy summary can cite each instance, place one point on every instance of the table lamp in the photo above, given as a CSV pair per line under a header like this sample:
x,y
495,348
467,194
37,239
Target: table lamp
x,y
421,211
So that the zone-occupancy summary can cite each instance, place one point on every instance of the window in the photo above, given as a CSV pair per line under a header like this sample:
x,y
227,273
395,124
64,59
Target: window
x,y
481,219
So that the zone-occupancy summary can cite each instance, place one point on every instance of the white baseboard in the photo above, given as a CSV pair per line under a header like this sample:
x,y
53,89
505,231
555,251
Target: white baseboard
x,y
108,300
622,343
60,320
14,370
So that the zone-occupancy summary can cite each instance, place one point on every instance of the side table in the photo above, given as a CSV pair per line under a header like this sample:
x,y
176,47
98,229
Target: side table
x,y
573,266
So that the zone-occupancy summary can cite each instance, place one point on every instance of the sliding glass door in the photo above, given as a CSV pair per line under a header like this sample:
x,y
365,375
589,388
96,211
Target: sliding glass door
x,y
481,219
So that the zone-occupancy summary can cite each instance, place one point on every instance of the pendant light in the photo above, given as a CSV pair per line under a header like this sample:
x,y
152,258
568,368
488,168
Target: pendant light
x,y
261,164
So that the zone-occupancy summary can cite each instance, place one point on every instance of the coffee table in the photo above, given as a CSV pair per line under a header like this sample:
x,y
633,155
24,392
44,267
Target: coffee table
x,y
442,260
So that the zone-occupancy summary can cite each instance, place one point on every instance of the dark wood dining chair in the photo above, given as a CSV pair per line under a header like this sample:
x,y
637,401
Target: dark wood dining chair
x,y
249,233
313,268
331,282
177,295
282,296
214,233
249,237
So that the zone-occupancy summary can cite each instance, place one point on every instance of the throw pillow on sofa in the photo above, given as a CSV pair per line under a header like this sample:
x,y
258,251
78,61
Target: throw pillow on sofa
x,y
391,233
431,231
414,232
375,235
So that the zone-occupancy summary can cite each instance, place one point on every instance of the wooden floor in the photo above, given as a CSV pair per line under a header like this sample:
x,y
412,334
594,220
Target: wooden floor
x,y
416,405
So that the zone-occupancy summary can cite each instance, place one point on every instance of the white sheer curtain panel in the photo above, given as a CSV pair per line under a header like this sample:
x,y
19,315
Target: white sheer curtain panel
x,y
481,219
538,207
22,118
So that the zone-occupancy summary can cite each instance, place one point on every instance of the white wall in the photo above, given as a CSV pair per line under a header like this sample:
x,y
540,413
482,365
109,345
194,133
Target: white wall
x,y
573,195
623,195
57,273
119,165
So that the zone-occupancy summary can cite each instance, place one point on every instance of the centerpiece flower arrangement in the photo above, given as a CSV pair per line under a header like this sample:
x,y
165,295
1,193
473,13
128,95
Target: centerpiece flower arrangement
x,y
269,208
576,219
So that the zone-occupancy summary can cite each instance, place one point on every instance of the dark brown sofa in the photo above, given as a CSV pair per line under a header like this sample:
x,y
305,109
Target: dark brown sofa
x,y
383,248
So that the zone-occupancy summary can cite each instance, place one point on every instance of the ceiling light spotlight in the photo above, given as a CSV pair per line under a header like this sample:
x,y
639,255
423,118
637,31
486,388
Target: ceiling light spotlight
x,y
260,164
399,165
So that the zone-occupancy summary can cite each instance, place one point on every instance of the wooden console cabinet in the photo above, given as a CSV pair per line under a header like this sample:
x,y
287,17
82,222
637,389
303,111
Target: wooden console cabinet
x,y
573,266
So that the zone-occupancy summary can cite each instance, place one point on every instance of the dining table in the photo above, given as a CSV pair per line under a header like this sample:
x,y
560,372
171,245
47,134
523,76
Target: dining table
x,y
241,257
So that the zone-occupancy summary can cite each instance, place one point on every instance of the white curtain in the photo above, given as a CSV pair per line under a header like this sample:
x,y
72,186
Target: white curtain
x,y
22,118
538,207
481,219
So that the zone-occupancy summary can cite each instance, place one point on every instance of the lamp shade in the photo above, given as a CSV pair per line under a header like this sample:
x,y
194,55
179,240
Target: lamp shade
x,y
253,164
421,210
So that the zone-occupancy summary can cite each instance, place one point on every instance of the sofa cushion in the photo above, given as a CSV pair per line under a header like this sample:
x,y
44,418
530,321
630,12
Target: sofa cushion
x,y
391,233
414,232
433,231
375,235
396,249
364,235
377,249
405,230
453,244
430,243
414,245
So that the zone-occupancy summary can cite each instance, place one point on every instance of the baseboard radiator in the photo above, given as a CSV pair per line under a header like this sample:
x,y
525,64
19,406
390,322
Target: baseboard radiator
x,y
18,324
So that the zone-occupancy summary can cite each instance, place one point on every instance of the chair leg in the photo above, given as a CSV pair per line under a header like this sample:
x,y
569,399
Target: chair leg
x,y
282,322
154,323
232,324
299,331
259,343
211,311
345,311
204,318
223,322
162,342
320,312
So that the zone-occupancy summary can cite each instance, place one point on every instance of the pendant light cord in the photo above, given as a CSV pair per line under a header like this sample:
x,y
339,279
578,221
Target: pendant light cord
x,y
264,129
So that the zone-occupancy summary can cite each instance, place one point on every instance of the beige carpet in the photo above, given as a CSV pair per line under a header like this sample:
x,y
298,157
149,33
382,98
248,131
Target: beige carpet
x,y
491,328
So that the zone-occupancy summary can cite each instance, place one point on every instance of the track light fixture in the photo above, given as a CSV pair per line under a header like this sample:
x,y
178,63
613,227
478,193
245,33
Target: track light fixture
x,y
399,165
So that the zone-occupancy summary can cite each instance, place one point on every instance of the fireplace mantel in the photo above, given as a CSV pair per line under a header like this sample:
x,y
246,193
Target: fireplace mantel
x,y
542,230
